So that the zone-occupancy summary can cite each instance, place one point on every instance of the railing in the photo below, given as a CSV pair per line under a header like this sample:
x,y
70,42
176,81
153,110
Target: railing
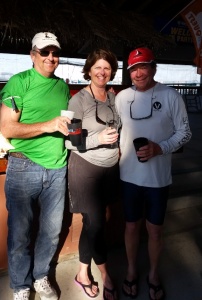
x,y
182,89
192,96
188,89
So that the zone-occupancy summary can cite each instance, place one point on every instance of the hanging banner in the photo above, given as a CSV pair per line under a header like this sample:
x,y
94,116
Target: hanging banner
x,y
176,29
192,15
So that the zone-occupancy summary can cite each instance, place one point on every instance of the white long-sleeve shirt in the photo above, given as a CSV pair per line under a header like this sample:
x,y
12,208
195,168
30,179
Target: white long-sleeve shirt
x,y
168,126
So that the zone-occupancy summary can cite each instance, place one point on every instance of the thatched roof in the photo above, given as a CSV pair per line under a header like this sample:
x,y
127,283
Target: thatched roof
x,y
79,24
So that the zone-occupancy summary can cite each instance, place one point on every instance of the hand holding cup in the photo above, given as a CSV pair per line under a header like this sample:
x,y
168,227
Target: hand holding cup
x,y
138,143
113,122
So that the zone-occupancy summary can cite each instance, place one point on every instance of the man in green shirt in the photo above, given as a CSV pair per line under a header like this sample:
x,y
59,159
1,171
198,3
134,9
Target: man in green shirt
x,y
36,173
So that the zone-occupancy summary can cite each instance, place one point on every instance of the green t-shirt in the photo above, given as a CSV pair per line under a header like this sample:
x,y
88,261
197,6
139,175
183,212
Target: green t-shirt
x,y
40,99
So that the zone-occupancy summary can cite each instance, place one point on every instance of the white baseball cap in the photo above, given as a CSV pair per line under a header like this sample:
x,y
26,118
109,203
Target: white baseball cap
x,y
45,39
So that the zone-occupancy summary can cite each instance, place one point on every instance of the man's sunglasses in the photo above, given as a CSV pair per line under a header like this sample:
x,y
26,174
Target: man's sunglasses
x,y
96,114
46,53
147,116
142,118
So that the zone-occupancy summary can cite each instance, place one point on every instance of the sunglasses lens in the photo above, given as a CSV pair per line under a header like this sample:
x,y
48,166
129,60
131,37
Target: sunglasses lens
x,y
98,120
56,53
45,53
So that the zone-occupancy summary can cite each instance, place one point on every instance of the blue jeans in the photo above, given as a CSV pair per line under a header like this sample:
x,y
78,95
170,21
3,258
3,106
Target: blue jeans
x,y
28,184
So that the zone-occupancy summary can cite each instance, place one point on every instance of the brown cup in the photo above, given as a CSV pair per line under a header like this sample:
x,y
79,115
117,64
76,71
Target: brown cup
x,y
75,132
138,143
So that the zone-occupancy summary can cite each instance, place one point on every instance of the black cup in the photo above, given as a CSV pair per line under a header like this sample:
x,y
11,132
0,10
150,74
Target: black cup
x,y
138,143
75,132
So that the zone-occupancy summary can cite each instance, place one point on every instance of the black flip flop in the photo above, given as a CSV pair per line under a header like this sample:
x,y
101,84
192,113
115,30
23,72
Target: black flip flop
x,y
110,291
84,286
156,289
130,284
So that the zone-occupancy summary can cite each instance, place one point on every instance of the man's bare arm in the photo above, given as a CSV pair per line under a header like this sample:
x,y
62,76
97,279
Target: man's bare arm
x,y
12,128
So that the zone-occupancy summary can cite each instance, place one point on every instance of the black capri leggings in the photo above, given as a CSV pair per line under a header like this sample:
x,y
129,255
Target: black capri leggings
x,y
91,189
92,240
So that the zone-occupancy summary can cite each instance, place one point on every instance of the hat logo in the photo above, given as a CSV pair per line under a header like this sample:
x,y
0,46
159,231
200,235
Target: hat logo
x,y
46,35
138,53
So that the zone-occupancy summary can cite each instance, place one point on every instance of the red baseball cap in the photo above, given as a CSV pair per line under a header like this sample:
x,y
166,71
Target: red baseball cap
x,y
140,55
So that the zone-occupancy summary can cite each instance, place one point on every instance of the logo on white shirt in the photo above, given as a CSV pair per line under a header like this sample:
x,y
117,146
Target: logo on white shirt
x,y
157,106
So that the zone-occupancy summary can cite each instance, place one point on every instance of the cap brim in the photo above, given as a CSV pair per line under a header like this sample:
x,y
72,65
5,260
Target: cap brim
x,y
139,62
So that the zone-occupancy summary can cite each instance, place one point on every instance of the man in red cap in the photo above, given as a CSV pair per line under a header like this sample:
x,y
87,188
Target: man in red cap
x,y
156,112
